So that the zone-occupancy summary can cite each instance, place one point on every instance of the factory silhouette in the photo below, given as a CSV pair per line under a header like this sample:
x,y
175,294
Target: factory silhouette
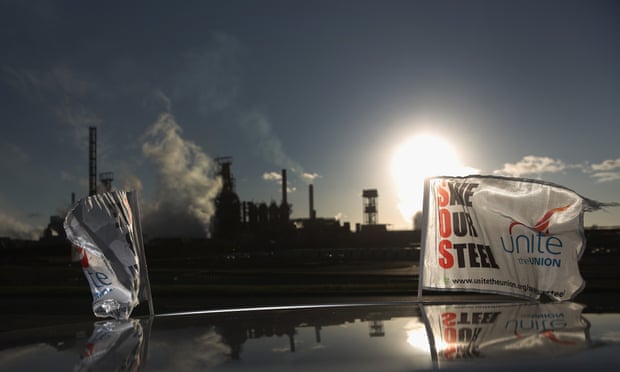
x,y
260,231
243,228
258,226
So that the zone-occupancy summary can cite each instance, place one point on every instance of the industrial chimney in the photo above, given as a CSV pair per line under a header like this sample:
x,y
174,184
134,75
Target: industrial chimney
x,y
92,161
284,186
312,214
285,211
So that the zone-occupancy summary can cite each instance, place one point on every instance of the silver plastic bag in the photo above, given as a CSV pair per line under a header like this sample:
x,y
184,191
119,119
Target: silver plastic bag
x,y
105,230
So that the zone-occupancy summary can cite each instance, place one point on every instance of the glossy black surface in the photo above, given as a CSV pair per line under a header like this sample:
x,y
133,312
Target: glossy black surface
x,y
386,337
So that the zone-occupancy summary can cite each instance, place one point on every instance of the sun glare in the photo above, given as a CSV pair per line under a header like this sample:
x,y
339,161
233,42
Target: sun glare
x,y
415,159
418,338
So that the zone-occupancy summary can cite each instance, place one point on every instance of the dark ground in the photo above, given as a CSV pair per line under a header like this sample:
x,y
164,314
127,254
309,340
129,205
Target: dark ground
x,y
40,295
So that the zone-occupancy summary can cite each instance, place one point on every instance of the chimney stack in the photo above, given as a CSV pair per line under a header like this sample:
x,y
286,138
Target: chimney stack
x,y
92,161
284,186
312,214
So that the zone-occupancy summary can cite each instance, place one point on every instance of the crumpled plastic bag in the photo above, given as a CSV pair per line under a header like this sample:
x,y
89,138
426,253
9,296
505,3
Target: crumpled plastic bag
x,y
104,230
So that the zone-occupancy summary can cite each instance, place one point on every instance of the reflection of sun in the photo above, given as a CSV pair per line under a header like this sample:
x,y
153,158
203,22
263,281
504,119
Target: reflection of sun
x,y
418,339
415,159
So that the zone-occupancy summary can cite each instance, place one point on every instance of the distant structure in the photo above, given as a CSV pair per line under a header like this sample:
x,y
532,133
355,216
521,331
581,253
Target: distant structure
x,y
285,208
370,206
284,186
92,161
55,228
312,211
376,328
227,220
371,220
106,179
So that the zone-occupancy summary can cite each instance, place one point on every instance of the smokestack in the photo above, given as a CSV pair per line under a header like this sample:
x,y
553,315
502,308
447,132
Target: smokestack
x,y
72,198
92,161
311,201
284,201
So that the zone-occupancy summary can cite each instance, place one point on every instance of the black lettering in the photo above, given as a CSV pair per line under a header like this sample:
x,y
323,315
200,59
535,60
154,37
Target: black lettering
x,y
460,254
461,193
484,259
460,223
490,256
464,319
473,255
456,193
489,318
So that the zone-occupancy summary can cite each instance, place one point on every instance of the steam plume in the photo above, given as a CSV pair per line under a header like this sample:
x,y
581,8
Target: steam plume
x,y
11,227
187,185
259,130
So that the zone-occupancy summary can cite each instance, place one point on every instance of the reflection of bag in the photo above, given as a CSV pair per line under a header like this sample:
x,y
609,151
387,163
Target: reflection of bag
x,y
115,345
507,330
106,231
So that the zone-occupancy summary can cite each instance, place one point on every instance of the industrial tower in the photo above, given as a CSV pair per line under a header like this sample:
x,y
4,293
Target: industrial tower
x,y
92,161
227,219
105,178
370,206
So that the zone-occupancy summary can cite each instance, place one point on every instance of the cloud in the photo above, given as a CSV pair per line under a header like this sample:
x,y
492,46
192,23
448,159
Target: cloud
x,y
602,172
277,178
187,185
601,177
605,171
203,352
310,176
272,176
259,131
537,165
533,165
606,165
13,228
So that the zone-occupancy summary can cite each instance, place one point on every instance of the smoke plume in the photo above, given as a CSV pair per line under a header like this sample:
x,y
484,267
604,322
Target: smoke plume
x,y
259,131
11,227
187,185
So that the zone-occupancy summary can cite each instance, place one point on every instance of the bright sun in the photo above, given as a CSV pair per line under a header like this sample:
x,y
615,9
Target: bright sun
x,y
415,159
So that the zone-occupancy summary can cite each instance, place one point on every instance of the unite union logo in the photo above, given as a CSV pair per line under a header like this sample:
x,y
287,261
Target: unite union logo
x,y
539,242
542,225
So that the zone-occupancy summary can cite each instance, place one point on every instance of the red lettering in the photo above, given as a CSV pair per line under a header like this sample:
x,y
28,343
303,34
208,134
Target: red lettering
x,y
445,224
446,261
443,197
449,339
447,319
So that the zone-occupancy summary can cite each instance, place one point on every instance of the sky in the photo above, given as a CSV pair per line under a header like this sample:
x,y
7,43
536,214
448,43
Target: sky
x,y
346,95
